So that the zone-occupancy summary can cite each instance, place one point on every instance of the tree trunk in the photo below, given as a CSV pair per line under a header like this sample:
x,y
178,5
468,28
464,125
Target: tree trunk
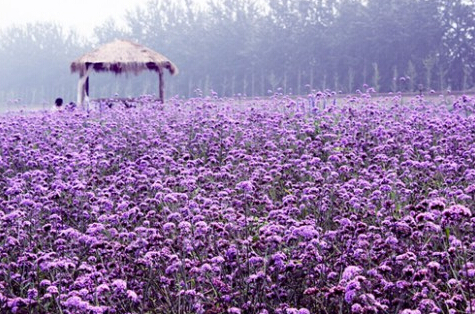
x,y
311,79
299,81
253,83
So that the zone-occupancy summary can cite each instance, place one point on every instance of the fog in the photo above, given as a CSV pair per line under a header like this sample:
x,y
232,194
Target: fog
x,y
253,48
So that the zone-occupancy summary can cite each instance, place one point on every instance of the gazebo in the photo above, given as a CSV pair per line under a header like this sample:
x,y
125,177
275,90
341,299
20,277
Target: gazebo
x,y
120,56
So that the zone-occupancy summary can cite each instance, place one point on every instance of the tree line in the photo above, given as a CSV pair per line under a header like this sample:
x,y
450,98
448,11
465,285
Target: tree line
x,y
257,47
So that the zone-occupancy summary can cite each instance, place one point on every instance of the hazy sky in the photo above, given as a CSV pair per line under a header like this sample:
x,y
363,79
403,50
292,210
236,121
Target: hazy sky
x,y
83,15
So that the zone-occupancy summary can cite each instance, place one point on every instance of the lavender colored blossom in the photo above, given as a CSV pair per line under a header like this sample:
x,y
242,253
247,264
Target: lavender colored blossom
x,y
351,290
76,302
356,308
53,290
245,186
306,232
350,272
102,288
456,213
409,311
132,296
119,285
218,205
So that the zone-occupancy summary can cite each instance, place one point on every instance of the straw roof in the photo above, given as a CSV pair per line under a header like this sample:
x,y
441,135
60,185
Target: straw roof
x,y
123,56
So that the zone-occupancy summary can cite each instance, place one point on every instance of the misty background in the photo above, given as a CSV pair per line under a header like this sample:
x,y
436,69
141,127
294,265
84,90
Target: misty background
x,y
254,48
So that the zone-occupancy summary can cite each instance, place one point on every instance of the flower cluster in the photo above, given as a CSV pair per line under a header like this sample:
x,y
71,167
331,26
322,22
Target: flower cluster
x,y
229,206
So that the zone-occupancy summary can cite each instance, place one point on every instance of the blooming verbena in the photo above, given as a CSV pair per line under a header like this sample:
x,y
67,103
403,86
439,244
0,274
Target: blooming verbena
x,y
409,311
350,272
234,310
76,303
119,285
307,232
132,296
208,205
245,186
352,289
456,213
102,288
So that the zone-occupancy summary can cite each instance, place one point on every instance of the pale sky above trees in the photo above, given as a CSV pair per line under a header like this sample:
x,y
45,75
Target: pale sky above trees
x,y
82,15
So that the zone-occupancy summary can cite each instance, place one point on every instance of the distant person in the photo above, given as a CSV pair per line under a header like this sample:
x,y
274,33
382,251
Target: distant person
x,y
58,103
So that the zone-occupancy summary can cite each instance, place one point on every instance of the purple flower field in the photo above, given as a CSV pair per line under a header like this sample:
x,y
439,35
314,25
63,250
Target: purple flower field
x,y
240,206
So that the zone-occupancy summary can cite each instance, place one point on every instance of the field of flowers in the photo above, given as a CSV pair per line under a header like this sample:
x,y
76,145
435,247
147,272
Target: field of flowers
x,y
240,206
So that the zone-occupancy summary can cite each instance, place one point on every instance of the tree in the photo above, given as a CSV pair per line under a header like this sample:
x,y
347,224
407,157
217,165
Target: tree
x,y
458,40
36,58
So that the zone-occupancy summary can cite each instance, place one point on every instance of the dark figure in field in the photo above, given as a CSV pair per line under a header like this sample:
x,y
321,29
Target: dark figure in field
x,y
128,105
58,102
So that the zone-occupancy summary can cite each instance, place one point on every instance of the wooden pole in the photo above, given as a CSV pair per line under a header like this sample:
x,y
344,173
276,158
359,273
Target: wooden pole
x,y
86,86
80,97
161,84
83,86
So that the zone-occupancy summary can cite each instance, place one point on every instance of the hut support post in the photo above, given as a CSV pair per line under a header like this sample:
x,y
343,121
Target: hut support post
x,y
83,87
86,87
161,84
81,92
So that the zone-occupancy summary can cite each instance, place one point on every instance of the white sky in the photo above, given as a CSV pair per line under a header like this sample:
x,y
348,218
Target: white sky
x,y
83,15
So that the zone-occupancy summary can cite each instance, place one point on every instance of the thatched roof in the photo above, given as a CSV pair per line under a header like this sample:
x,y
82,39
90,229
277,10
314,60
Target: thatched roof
x,y
123,56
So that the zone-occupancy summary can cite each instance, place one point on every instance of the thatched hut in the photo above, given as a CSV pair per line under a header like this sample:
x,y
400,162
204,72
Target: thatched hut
x,y
120,56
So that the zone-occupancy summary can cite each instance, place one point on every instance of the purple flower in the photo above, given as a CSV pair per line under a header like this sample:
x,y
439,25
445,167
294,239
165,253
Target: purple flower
x,y
432,227
471,307
217,260
409,311
234,310
52,290
170,198
279,259
256,261
351,290
456,213
350,272
307,232
32,294
433,265
206,268
356,308
98,309
185,227
245,186
119,285
45,283
102,288
132,296
429,306
169,226
232,252
76,302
